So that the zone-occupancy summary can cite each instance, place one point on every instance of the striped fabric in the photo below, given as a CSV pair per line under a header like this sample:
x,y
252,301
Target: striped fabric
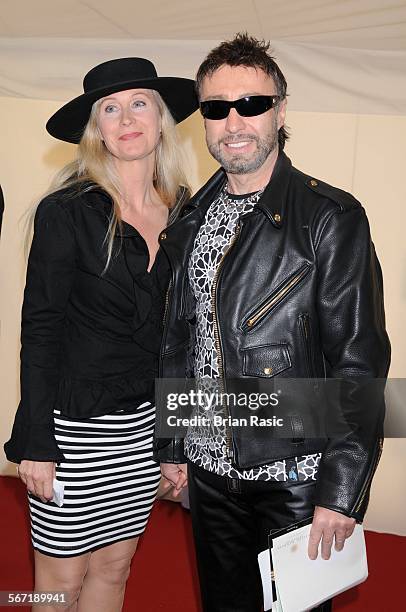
x,y
110,483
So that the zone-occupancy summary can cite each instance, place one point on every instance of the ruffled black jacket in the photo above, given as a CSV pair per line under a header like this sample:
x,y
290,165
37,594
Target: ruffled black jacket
x,y
90,339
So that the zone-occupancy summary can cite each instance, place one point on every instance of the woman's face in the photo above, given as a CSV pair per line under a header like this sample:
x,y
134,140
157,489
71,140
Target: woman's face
x,y
130,123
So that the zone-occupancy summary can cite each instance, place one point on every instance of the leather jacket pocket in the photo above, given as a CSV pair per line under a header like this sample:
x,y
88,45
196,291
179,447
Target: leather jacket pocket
x,y
266,361
274,299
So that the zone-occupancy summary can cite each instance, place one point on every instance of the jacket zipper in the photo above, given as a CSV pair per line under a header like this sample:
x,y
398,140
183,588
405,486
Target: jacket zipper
x,y
305,330
164,318
217,338
370,475
259,314
166,304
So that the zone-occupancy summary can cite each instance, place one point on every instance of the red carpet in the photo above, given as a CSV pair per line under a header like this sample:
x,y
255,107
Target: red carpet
x,y
163,575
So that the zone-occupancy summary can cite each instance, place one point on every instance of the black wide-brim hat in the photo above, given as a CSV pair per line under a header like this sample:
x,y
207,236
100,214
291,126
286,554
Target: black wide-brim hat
x,y
116,75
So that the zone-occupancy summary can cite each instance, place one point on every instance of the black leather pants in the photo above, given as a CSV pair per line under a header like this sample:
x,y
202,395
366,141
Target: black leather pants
x,y
231,522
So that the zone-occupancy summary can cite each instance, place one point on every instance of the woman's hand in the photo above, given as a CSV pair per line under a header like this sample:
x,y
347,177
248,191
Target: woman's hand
x,y
175,475
38,477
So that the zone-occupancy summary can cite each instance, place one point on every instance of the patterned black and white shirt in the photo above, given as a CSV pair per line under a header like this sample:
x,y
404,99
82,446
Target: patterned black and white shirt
x,y
206,445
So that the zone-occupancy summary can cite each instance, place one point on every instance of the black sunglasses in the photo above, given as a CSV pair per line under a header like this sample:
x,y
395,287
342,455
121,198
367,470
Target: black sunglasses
x,y
249,106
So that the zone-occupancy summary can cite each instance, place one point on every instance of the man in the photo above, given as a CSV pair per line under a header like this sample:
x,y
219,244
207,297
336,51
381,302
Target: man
x,y
274,276
1,207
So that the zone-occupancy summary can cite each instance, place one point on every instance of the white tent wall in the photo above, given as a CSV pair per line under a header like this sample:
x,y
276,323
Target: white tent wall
x,y
360,153
320,78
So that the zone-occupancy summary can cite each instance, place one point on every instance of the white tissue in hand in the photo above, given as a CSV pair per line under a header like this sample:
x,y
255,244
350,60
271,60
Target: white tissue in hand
x,y
59,489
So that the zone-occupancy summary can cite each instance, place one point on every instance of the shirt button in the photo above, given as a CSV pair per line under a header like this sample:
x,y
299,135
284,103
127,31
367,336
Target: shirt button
x,y
163,236
277,217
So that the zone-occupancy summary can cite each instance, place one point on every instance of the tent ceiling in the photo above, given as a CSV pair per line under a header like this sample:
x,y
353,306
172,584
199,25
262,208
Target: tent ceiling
x,y
371,24
338,55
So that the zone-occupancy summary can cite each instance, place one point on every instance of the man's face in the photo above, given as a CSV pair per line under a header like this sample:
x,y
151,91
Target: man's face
x,y
241,144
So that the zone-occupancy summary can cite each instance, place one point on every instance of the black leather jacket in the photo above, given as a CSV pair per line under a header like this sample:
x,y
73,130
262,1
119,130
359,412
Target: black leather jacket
x,y
298,294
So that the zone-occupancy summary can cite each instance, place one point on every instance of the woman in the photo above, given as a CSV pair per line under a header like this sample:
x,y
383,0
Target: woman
x,y
92,313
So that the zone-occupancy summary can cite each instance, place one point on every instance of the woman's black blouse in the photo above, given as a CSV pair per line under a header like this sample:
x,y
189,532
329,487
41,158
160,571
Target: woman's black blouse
x,y
90,339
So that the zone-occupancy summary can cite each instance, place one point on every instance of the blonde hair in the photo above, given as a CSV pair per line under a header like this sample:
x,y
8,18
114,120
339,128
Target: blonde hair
x,y
94,164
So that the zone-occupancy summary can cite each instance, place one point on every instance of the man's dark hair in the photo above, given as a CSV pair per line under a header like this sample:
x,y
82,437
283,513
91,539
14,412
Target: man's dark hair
x,y
245,50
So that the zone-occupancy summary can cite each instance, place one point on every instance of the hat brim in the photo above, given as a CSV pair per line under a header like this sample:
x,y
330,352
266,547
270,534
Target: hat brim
x,y
69,121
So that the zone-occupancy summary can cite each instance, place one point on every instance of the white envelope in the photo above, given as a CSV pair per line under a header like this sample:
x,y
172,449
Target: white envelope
x,y
303,584
264,562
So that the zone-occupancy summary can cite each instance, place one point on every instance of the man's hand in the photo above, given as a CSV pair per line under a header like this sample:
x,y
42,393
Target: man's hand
x,y
175,475
328,525
38,477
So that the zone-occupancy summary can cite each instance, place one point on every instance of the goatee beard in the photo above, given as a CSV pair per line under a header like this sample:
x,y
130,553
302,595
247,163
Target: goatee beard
x,y
238,163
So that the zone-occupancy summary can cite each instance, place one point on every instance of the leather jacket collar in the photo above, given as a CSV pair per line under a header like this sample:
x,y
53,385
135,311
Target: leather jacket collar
x,y
272,201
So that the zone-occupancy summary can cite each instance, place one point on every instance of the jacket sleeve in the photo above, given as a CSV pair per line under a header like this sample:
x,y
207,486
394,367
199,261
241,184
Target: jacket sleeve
x,y
49,280
357,351
170,450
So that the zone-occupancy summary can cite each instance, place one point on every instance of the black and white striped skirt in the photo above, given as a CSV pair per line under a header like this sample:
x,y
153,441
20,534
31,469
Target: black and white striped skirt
x,y
110,481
